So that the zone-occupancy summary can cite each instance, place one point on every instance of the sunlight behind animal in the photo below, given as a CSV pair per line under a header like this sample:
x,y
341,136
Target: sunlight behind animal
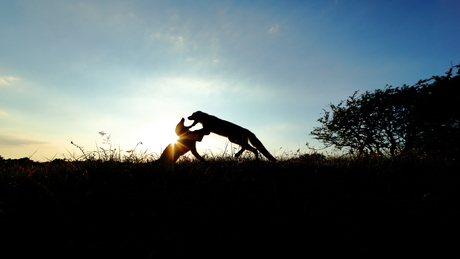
x,y
166,136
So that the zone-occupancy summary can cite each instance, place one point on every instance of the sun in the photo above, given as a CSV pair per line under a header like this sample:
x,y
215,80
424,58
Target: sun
x,y
170,137
164,136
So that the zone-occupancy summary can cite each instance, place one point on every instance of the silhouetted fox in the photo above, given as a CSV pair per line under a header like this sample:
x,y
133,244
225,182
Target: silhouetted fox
x,y
235,133
186,142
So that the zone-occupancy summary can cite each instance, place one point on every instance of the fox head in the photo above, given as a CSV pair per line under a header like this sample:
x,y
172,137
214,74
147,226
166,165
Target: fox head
x,y
197,116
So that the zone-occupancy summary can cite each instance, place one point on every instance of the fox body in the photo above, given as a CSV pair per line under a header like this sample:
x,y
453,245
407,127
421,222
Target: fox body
x,y
236,134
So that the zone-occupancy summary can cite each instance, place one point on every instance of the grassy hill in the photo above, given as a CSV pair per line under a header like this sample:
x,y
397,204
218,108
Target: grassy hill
x,y
229,207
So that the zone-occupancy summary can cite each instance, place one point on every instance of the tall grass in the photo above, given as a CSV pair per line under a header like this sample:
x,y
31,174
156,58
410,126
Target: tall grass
x,y
109,153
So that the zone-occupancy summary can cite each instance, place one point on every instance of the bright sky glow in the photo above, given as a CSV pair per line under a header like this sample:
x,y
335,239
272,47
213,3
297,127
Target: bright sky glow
x,y
133,69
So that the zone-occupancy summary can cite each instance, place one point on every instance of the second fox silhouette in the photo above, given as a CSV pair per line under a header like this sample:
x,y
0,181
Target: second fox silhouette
x,y
186,142
233,132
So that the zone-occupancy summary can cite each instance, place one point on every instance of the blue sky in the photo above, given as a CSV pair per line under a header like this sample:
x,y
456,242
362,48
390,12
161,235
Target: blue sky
x,y
133,69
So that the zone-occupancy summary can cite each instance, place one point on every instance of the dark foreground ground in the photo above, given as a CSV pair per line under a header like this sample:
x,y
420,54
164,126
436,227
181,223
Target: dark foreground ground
x,y
309,206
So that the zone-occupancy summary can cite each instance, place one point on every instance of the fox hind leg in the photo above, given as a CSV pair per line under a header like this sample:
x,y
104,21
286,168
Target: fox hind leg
x,y
242,141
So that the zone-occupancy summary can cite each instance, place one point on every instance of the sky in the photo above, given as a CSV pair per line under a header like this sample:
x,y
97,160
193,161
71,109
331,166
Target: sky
x,y
133,69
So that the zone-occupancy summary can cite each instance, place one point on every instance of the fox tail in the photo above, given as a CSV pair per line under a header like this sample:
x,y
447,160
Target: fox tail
x,y
258,145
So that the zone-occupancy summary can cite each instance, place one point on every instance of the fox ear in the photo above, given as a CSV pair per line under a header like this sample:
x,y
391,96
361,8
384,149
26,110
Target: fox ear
x,y
180,124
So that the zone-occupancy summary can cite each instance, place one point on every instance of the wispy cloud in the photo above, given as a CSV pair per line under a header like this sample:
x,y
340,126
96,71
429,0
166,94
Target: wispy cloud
x,y
274,29
7,80
3,113
8,140
175,40
188,85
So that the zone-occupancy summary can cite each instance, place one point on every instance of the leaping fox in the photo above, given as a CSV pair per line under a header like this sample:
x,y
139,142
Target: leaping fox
x,y
233,132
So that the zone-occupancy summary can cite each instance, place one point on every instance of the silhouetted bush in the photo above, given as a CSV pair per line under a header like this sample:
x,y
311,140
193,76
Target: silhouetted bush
x,y
422,119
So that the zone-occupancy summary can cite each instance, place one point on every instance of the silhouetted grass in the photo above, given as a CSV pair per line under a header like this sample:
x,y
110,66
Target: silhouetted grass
x,y
226,206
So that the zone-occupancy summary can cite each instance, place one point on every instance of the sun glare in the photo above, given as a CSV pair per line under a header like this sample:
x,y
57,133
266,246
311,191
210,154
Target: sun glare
x,y
171,138
164,137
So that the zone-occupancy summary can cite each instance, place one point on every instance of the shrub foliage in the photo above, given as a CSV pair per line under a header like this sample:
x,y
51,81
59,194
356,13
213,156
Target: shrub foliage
x,y
422,119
